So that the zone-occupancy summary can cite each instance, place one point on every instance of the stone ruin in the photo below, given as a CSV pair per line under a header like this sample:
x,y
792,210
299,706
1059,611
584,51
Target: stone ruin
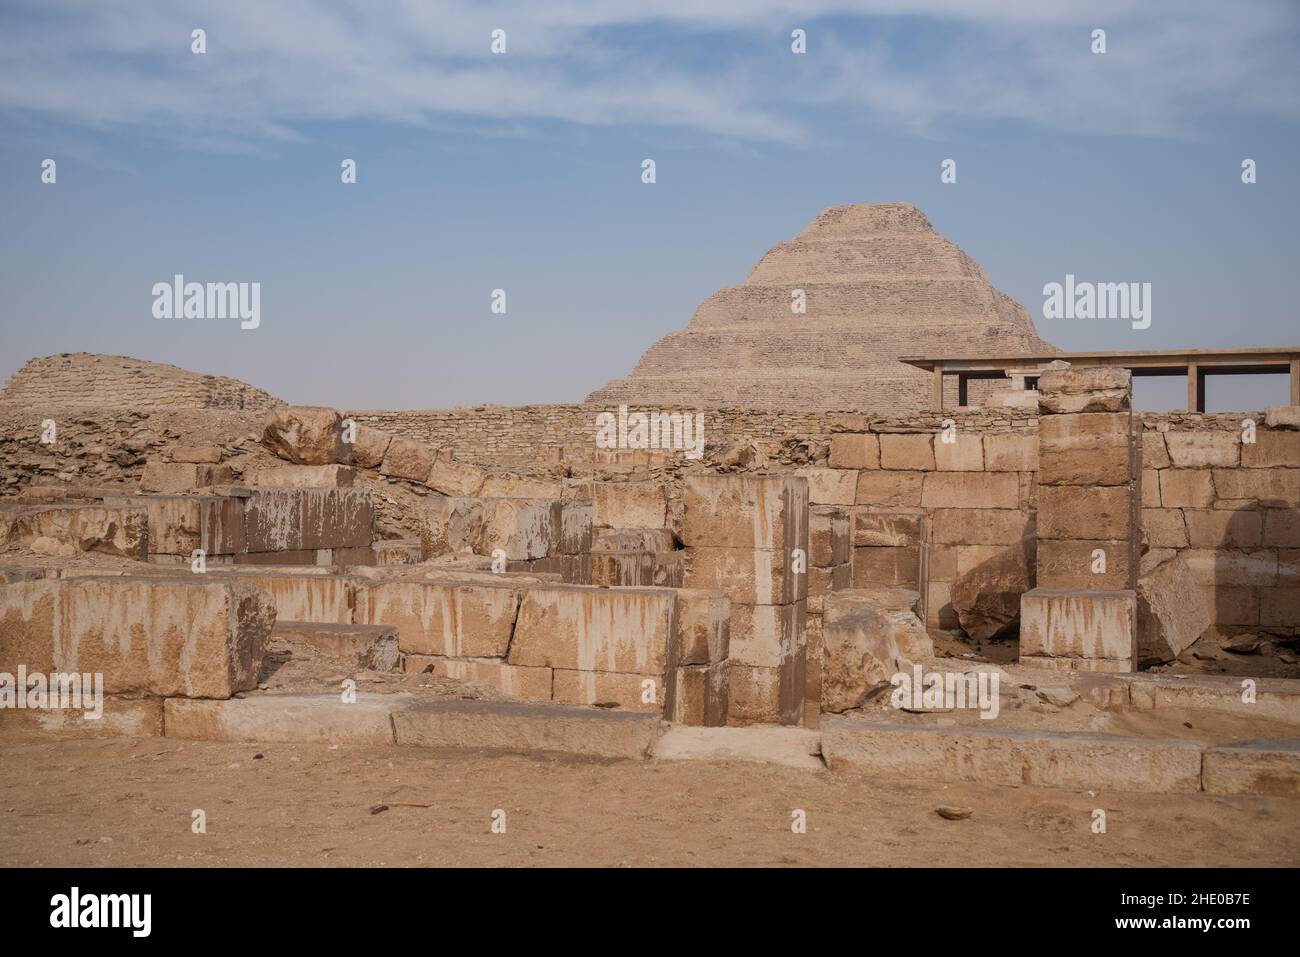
x,y
222,567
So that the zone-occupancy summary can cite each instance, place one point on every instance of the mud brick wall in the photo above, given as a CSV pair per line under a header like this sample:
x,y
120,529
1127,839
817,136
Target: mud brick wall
x,y
510,436
1231,508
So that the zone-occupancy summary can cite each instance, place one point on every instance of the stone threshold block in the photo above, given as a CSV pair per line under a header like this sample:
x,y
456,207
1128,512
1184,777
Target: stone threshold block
x,y
147,635
121,718
1053,759
371,646
790,747
307,718
1275,699
1269,768
1098,626
524,728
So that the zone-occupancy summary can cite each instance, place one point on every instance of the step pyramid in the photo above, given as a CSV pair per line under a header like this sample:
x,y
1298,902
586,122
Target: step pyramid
x,y
878,283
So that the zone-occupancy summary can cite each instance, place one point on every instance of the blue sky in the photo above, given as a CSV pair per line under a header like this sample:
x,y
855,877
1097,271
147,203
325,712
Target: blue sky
x,y
522,171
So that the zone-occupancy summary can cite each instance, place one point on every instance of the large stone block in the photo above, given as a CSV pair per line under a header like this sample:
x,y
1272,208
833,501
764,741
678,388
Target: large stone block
x,y
755,695
1155,454
830,486
901,451
526,728
1079,624
889,489
748,576
576,528
160,635
325,599
1261,768
886,566
867,637
369,446
116,528
629,505
979,526
1221,528
1272,450
176,477
703,627
449,525
1186,488
1275,486
702,694
606,688
1199,450
1173,612
971,490
521,486
323,718
1087,565
595,629
767,635
522,528
370,646
742,511
986,599
854,450
305,434
1164,527
330,517
1059,759
1221,567
890,529
454,478
965,453
303,476
1011,453
455,619
1077,512
1097,389
829,539
408,459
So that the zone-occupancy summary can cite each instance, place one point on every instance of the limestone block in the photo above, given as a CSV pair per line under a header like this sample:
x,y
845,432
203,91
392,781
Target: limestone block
x,y
880,528
964,454
971,490
1262,768
513,681
370,646
854,450
521,486
749,576
448,525
703,627
305,434
901,451
1186,488
1080,512
196,454
522,528
1155,454
1272,450
830,486
595,629
408,459
632,692
986,599
303,476
1164,527
629,505
1079,624
867,637
1199,450
829,539
454,619
702,695
1011,453
176,477
743,511
109,529
1087,565
1220,528
979,526
454,478
1098,389
1275,486
323,718
767,635
1173,612
155,635
874,566
889,488
369,446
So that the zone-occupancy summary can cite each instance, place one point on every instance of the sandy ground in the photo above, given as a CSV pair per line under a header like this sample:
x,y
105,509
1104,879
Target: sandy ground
x,y
129,801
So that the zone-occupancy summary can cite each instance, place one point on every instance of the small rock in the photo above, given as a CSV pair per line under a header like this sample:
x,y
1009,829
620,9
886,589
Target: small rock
x,y
1243,644
1059,697
950,813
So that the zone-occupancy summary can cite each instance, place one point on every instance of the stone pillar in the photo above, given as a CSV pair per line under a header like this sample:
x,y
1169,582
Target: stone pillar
x,y
1083,614
747,537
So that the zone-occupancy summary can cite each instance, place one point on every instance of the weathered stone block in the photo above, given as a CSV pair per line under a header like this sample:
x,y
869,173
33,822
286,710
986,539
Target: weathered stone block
x,y
297,718
1096,389
514,681
1214,528
1155,454
854,450
867,637
1199,450
829,539
749,512
147,635
371,646
454,478
1272,450
1011,453
767,635
1086,565
971,490
408,459
890,489
454,619
900,451
1079,624
117,527
303,476
369,446
986,599
197,454
1078,512
632,692
749,576
449,525
1164,527
1173,612
1272,486
964,454
979,526
522,486
522,528
629,505
703,627
1186,488
874,527
595,629
1261,768
305,434
886,566
830,486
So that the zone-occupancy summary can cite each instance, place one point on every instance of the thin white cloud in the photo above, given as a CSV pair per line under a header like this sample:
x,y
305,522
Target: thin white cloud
x,y
273,67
